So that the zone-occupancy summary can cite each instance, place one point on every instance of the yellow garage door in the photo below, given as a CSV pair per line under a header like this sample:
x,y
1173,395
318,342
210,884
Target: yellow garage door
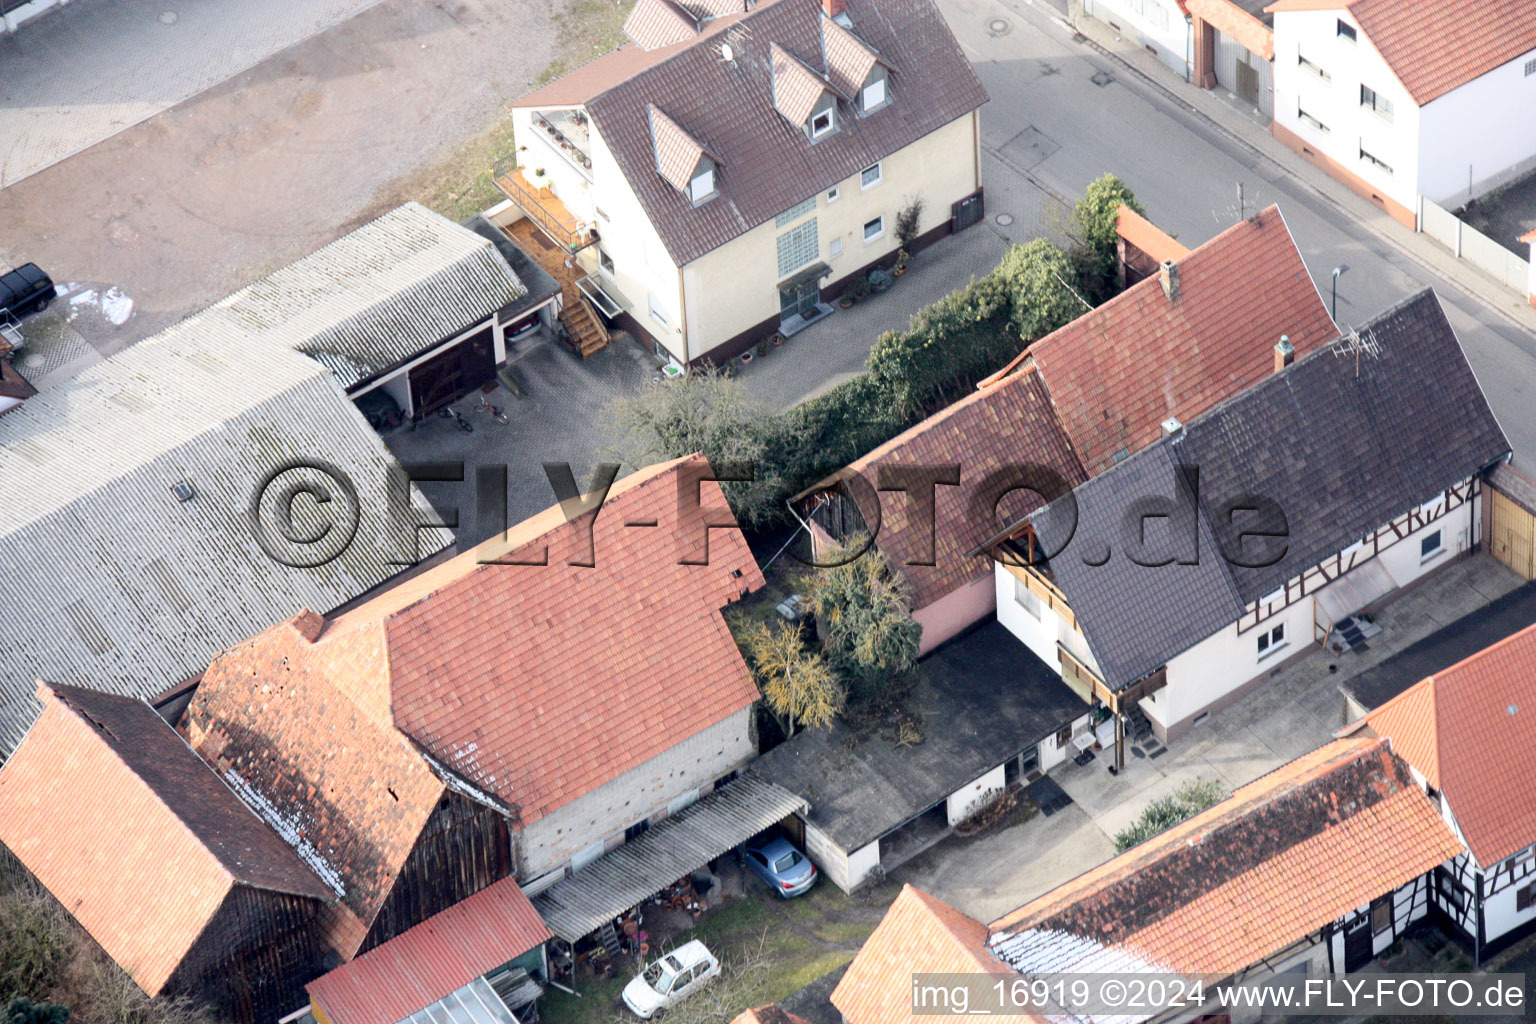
x,y
1513,535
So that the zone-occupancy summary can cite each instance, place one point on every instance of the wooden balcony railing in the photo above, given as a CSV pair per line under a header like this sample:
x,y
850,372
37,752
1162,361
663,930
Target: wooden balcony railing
x,y
545,209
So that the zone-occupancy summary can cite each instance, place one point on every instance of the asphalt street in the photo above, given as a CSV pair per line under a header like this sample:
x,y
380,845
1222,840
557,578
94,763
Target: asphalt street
x,y
1064,112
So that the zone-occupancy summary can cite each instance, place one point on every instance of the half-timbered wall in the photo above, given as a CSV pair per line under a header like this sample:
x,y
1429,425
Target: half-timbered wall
x,y
464,847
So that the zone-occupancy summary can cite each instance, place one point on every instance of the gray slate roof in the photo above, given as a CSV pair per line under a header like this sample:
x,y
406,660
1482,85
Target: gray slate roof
x,y
984,698
767,164
1340,451
370,300
113,584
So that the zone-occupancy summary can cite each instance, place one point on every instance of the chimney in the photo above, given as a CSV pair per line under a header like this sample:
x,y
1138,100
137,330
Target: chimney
x,y
1285,353
835,8
308,625
1168,274
1171,426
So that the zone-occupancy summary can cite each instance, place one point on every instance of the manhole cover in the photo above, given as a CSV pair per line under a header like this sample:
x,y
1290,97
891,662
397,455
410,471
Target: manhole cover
x,y
167,17
1004,219
1102,78
998,27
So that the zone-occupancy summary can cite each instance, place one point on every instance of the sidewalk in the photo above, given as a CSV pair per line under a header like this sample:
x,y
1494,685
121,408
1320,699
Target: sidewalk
x,y
1225,113
1295,711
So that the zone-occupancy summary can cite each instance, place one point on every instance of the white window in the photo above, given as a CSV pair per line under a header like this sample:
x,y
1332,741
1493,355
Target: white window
x,y
834,248
1375,161
1346,30
605,262
873,95
702,186
1309,119
1307,65
822,123
832,194
1027,599
1530,67
658,311
870,177
1271,640
1272,598
1372,100
1431,546
873,229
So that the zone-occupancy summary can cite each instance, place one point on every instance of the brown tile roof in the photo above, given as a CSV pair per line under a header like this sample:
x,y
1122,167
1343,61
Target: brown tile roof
x,y
1434,48
796,88
1283,856
540,683
1146,236
1117,372
433,959
1470,730
771,164
654,23
302,728
677,152
1237,24
917,934
849,58
132,833
1012,424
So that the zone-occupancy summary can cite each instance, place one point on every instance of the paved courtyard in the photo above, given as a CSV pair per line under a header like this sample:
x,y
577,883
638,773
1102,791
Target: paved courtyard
x,y
1295,711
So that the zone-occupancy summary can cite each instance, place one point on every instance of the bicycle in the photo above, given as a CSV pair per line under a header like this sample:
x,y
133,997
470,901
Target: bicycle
x,y
448,412
494,411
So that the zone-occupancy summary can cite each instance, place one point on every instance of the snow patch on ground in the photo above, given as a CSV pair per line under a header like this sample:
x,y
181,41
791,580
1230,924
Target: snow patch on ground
x,y
114,306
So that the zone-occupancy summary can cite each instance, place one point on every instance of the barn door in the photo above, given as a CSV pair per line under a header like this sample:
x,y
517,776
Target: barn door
x,y
1247,83
451,374
1357,943
1513,535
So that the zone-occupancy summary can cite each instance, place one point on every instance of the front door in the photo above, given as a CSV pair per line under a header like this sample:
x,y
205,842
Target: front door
x,y
1357,943
1247,83
799,300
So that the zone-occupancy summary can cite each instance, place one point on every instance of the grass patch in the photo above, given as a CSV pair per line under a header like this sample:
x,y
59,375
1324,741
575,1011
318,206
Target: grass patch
x,y
460,186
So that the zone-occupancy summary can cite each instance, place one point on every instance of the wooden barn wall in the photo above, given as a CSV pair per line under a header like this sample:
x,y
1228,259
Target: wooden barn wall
x,y
464,847
255,955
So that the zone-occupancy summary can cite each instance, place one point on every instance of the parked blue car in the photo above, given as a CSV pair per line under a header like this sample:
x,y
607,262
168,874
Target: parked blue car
x,y
787,871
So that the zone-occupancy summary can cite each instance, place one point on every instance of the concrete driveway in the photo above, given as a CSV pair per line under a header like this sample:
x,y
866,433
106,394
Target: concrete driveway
x,y
185,207
1296,710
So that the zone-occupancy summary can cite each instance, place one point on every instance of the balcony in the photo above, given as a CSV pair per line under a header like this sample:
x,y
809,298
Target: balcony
x,y
541,206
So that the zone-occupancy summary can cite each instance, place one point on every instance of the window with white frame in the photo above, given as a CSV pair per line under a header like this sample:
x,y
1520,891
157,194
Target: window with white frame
x,y
1026,598
1431,545
797,247
702,186
833,193
822,123
873,95
1307,118
658,311
1375,161
1271,640
1345,30
874,229
1315,69
834,248
1371,100
1530,67
604,262
870,176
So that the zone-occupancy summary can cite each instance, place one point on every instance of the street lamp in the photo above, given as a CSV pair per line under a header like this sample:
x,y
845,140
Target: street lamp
x,y
1338,270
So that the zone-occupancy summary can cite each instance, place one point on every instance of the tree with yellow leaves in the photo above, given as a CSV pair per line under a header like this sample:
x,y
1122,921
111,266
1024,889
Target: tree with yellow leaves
x,y
797,683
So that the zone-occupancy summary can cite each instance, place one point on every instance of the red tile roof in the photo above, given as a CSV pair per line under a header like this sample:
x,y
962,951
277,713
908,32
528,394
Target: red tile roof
x,y
433,959
540,683
1283,856
918,934
1434,48
303,728
132,833
654,23
985,432
1471,732
1114,374
1146,236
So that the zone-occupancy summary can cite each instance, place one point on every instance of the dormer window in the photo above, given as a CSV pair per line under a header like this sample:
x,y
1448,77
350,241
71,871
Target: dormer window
x,y
703,184
823,123
872,96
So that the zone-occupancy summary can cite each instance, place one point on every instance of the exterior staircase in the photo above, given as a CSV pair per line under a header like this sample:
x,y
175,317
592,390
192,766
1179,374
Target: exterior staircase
x,y
585,329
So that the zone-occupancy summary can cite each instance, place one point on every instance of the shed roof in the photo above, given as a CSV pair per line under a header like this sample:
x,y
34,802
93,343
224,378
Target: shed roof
x,y
983,698
770,163
132,832
113,583
370,300
1470,729
432,959
1283,856
1340,450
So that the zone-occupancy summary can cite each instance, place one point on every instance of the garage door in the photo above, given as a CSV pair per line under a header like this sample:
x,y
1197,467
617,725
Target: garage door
x,y
1513,539
453,373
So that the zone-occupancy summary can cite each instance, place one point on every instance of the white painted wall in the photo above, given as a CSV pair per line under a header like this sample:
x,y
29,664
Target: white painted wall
x,y
828,856
1499,909
1483,132
1040,633
1336,103
862,863
967,801
1158,24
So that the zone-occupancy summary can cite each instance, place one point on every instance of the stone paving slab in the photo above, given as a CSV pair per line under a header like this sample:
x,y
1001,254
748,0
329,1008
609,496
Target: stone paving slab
x,y
86,71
